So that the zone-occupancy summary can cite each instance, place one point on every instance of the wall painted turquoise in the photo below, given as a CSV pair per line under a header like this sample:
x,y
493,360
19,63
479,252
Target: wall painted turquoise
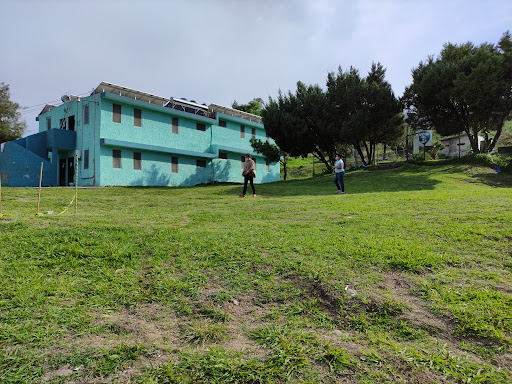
x,y
156,143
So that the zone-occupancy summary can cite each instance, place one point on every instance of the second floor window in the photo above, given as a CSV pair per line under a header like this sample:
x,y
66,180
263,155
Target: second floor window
x,y
137,117
116,113
175,127
86,114
242,131
49,123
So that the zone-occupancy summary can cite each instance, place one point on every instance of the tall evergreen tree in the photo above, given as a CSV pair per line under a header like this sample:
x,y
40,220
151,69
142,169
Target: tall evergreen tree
x,y
466,89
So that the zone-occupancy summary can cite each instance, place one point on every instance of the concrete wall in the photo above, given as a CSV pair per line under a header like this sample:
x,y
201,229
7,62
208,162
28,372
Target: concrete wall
x,y
20,167
155,140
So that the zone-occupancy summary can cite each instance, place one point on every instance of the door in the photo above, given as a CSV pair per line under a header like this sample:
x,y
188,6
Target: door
x,y
62,172
71,170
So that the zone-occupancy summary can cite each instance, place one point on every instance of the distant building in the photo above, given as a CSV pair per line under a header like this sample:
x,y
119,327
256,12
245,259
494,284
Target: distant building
x,y
458,146
452,145
125,137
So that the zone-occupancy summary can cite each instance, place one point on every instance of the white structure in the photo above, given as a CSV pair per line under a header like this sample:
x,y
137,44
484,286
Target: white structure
x,y
458,145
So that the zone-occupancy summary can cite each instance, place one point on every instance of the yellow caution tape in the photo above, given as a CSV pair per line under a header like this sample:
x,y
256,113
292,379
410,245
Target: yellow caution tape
x,y
69,205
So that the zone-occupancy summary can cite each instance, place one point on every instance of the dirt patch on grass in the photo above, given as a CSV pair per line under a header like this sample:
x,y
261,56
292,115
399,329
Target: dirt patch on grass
x,y
417,312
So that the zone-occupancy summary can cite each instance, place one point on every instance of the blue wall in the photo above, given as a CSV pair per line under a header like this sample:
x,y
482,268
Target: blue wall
x,y
20,167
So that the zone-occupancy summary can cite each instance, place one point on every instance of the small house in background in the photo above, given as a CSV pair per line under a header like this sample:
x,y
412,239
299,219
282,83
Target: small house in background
x,y
458,146
119,136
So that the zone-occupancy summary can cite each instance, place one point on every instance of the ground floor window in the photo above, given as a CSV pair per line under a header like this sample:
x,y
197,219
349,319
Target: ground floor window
x,y
86,159
268,166
116,156
137,160
201,163
174,165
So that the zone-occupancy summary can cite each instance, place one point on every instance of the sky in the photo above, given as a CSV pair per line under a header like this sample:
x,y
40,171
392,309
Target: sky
x,y
218,51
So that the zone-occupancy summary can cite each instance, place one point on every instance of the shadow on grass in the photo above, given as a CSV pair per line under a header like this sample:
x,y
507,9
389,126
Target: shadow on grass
x,y
390,180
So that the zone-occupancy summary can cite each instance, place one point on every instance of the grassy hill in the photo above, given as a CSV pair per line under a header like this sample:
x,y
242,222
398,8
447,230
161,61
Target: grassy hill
x,y
405,278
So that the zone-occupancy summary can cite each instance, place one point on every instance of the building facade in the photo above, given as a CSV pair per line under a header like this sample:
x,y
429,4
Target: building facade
x,y
119,136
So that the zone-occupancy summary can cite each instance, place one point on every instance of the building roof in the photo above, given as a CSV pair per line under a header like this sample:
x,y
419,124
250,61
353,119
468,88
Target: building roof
x,y
47,108
131,93
235,112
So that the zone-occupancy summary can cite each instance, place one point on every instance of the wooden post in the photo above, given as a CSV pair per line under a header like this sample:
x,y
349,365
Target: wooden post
x,y
39,197
76,183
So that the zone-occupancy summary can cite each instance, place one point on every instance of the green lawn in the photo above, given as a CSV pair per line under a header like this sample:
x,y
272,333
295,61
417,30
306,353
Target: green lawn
x,y
405,278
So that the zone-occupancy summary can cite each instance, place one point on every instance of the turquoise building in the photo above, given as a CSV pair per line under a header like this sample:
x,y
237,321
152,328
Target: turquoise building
x,y
119,136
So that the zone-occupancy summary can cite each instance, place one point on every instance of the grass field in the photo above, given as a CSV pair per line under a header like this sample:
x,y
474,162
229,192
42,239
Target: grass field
x,y
407,278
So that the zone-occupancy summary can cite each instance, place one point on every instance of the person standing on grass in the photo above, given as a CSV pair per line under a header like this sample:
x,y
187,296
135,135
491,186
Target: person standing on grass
x,y
249,173
339,172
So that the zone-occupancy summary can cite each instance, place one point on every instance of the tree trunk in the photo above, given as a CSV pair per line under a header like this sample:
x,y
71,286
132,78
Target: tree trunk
x,y
360,152
321,157
473,139
285,169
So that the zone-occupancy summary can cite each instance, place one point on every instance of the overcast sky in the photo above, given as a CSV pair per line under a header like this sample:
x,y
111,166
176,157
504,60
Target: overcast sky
x,y
224,50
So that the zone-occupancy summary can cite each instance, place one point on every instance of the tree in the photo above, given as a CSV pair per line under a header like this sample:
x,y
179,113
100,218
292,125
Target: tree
x,y
10,126
255,106
466,89
271,152
366,110
302,123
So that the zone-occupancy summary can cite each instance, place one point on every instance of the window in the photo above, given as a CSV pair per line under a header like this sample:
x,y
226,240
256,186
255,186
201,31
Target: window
x,y
223,123
71,123
242,131
201,163
174,165
86,159
116,156
48,123
223,155
268,166
116,115
175,125
62,124
86,114
243,161
201,127
137,117
253,131
137,160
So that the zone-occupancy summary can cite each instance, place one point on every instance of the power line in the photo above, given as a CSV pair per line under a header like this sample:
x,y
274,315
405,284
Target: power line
x,y
34,108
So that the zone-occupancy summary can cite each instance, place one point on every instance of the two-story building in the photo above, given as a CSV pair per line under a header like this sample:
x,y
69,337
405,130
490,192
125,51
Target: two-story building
x,y
124,137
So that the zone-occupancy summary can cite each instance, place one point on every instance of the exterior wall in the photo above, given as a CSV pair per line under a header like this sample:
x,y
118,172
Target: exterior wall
x,y
19,167
451,148
154,140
